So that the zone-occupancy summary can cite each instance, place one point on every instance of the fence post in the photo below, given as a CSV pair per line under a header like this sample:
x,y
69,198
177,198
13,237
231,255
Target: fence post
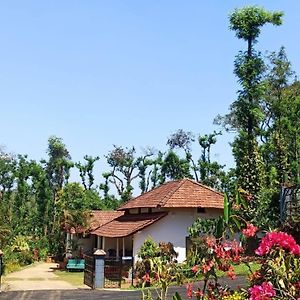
x,y
99,268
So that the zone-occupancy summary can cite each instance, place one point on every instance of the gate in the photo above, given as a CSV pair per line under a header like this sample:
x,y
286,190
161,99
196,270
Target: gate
x,y
89,271
117,270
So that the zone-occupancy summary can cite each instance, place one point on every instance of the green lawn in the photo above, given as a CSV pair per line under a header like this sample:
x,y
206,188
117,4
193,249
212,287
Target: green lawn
x,y
74,278
242,269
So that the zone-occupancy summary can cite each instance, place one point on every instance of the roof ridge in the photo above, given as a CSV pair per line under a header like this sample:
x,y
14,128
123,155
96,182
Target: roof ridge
x,y
169,195
205,186
157,187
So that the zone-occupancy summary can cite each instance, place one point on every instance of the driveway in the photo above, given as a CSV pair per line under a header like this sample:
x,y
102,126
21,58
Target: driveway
x,y
38,282
39,276
87,294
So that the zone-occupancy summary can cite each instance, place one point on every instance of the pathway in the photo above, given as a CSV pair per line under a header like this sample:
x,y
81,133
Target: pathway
x,y
39,276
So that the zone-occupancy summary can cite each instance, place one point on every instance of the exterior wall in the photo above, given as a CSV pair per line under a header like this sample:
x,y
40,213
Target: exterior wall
x,y
173,228
84,244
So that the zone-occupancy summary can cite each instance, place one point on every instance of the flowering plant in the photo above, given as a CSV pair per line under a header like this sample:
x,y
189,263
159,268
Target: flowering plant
x,y
211,256
280,271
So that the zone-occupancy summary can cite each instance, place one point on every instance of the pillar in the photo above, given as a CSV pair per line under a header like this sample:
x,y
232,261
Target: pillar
x,y
123,246
99,268
117,254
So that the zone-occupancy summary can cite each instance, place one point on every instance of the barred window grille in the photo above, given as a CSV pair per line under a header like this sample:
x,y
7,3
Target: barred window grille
x,y
290,204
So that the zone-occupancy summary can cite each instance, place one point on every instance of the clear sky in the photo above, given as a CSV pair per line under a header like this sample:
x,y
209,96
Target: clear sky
x,y
124,72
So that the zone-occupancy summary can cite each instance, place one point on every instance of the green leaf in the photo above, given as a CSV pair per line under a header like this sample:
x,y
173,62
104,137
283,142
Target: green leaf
x,y
238,198
220,228
226,209
237,223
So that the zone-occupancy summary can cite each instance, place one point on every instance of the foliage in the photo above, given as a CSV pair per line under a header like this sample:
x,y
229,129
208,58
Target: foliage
x,y
20,243
149,249
280,271
203,170
125,168
158,267
86,171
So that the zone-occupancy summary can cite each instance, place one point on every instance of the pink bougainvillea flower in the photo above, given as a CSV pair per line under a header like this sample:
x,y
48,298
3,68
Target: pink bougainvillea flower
x,y
195,269
189,290
278,239
250,231
146,277
264,291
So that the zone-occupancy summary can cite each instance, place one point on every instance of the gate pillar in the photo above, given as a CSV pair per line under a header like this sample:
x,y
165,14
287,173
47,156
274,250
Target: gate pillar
x,y
99,268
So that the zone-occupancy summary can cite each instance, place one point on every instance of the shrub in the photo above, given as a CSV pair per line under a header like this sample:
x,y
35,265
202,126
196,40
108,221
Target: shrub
x,y
280,271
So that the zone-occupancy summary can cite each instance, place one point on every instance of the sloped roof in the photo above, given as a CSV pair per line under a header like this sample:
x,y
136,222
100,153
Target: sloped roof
x,y
128,224
97,219
101,217
180,193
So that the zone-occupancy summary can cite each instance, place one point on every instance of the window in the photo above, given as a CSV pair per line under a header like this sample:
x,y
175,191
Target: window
x,y
200,210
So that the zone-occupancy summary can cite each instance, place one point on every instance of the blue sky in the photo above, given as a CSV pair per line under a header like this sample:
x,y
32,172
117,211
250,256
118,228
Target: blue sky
x,y
124,72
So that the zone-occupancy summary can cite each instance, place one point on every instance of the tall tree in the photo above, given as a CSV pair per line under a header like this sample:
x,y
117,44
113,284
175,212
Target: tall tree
x,y
277,109
57,169
183,139
86,171
211,172
126,167
173,167
246,113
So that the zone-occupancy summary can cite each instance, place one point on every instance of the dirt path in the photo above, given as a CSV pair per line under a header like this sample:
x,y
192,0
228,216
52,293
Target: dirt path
x,y
39,276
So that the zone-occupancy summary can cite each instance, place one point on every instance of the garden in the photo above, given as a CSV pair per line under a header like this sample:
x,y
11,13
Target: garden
x,y
257,237
222,247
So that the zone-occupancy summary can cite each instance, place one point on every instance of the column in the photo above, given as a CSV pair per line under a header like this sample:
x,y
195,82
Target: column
x,y
98,242
123,246
117,254
99,268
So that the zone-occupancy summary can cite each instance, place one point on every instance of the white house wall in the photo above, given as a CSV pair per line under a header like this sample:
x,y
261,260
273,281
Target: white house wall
x,y
172,228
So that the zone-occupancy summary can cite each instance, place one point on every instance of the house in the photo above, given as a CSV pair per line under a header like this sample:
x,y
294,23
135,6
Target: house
x,y
164,213
79,240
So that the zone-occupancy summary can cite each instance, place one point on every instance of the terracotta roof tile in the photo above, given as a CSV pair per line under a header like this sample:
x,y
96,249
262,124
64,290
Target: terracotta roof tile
x,y
97,219
101,217
180,193
128,224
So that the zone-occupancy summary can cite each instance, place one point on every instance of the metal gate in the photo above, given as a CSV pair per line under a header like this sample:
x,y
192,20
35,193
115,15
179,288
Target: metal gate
x,y
116,271
112,273
89,271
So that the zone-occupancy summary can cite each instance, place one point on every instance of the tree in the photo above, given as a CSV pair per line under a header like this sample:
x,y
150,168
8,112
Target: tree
x,y
58,172
125,168
183,140
211,173
74,197
277,109
86,171
173,167
246,113
7,181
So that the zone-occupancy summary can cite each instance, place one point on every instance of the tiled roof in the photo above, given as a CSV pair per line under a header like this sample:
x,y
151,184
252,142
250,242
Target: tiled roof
x,y
98,218
101,217
179,193
128,224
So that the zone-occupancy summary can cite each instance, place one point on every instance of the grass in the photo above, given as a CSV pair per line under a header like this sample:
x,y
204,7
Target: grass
x,y
242,269
74,278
